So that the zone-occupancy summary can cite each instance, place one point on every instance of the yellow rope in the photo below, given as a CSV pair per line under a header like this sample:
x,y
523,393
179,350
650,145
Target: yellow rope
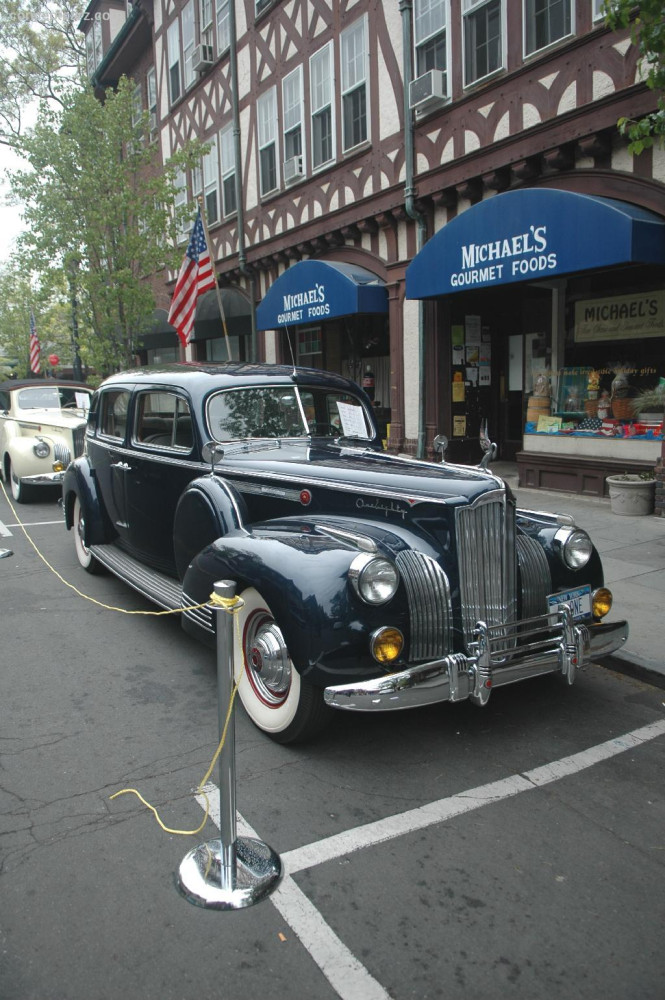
x,y
86,597
231,605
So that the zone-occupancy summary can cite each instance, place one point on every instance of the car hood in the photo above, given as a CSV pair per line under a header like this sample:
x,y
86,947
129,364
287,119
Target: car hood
x,y
51,419
328,465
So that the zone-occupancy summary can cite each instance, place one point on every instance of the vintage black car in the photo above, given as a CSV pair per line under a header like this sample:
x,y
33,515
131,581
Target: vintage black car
x,y
370,581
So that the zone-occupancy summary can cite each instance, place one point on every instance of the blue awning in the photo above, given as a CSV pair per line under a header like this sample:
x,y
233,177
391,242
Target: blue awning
x,y
315,290
533,234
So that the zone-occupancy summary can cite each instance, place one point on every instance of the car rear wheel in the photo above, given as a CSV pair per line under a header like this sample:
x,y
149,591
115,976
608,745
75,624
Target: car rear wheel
x,y
83,553
274,695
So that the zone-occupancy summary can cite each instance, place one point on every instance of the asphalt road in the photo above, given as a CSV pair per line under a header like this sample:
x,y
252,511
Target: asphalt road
x,y
516,851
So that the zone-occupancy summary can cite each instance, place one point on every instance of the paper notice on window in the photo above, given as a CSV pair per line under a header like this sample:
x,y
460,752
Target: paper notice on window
x,y
353,420
82,400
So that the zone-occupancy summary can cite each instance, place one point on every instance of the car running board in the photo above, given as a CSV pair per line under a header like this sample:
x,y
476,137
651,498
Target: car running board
x,y
157,587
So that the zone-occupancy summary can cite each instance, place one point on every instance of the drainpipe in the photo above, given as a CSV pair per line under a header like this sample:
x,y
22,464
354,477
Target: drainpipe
x,y
406,7
240,207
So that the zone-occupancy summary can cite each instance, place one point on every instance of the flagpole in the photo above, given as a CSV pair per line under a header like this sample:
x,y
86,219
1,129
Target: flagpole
x,y
217,288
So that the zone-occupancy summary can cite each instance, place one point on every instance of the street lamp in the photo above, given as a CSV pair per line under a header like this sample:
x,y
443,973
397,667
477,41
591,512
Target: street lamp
x,y
72,272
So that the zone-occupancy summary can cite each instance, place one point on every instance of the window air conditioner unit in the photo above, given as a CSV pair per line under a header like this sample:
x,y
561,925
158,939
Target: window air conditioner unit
x,y
201,58
428,89
292,169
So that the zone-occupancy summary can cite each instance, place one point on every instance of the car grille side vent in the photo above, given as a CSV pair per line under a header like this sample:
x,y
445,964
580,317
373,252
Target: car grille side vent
x,y
535,576
62,454
79,441
428,594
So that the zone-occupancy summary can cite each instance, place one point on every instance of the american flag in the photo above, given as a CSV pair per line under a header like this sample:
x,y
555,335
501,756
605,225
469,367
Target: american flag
x,y
35,347
196,277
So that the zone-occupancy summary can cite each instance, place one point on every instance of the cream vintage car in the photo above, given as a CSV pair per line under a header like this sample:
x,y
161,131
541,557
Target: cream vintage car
x,y
42,428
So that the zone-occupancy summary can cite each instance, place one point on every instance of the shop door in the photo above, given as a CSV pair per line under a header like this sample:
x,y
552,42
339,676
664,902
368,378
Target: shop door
x,y
512,385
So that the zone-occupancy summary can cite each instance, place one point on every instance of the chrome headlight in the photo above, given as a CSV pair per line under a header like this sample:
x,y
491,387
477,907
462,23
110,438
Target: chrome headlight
x,y
41,449
374,579
573,547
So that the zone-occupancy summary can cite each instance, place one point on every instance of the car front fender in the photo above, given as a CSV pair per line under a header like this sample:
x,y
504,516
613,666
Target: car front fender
x,y
304,579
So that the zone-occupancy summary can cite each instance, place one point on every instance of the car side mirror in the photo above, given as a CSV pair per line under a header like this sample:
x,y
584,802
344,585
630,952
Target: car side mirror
x,y
212,452
440,444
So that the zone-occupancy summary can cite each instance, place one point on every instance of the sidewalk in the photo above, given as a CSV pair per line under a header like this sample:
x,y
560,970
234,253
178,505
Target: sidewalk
x,y
633,554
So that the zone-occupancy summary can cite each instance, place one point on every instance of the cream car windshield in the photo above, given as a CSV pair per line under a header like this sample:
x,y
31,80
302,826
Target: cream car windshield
x,y
53,397
286,412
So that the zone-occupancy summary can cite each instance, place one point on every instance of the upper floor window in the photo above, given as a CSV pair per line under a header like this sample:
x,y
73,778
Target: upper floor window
x,y
430,21
151,90
173,44
188,43
354,84
205,182
183,224
228,157
223,26
321,99
292,112
267,125
205,22
483,38
545,22
93,46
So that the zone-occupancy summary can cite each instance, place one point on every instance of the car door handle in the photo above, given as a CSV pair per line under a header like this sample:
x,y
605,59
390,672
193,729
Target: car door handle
x,y
121,465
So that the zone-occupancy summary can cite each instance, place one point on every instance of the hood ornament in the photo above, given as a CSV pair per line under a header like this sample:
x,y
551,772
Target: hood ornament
x,y
489,447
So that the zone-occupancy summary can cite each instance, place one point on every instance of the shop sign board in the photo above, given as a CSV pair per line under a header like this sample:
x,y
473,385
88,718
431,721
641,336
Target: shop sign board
x,y
621,317
530,235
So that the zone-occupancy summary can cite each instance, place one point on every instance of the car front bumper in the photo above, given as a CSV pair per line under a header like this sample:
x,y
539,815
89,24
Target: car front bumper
x,y
44,479
500,655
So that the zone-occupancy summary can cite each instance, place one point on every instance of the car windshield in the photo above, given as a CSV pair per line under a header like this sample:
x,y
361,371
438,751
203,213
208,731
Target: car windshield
x,y
53,397
286,411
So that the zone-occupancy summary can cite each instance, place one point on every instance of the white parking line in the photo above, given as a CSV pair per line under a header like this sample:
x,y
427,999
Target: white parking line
x,y
349,979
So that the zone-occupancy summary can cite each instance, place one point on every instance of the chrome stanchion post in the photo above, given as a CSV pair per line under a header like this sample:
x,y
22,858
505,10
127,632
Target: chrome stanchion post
x,y
232,872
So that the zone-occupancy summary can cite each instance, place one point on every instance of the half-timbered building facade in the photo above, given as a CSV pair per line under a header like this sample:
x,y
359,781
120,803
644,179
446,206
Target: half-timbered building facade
x,y
428,195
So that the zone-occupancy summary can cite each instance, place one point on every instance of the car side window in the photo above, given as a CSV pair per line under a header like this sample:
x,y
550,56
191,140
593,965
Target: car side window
x,y
4,400
113,413
163,420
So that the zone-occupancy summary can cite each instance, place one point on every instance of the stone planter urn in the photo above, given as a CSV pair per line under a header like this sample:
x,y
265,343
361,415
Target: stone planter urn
x,y
631,494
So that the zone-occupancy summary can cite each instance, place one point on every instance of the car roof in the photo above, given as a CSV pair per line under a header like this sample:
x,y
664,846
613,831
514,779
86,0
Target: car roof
x,y
200,378
32,383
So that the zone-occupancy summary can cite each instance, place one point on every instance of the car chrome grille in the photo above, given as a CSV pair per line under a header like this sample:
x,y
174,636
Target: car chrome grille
x,y
536,578
486,547
62,453
428,594
79,440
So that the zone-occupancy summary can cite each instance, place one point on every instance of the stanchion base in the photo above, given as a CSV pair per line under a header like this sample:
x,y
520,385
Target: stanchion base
x,y
257,872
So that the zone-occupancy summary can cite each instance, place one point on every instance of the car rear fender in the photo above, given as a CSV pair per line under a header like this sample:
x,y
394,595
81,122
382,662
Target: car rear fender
x,y
80,482
208,509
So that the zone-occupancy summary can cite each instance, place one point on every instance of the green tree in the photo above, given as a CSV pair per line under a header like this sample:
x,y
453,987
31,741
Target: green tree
x,y
647,28
43,56
17,299
99,204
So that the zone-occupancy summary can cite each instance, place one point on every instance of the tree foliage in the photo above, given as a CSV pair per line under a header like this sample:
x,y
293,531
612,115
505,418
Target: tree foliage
x,y
17,299
43,56
647,28
99,208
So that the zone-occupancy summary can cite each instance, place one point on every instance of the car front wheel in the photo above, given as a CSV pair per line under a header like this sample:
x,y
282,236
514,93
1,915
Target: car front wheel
x,y
19,491
274,695
83,553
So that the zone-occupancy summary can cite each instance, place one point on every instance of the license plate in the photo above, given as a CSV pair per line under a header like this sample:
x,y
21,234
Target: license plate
x,y
578,599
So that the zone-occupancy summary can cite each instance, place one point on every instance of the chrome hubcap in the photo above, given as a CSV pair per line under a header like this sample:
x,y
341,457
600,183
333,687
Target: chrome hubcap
x,y
268,662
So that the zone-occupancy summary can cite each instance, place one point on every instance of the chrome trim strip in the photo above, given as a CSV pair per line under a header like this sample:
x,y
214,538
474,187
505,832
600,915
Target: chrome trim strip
x,y
235,473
